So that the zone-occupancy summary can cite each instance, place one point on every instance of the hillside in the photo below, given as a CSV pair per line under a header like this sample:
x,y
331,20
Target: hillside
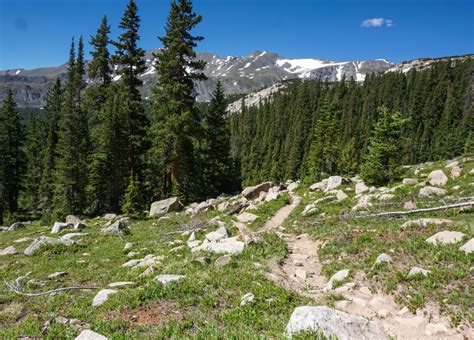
x,y
240,265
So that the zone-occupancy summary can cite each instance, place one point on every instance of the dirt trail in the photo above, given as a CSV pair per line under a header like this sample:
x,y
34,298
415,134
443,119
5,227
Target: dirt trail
x,y
301,272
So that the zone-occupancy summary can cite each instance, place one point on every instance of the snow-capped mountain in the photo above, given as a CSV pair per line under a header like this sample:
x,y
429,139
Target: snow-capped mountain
x,y
238,74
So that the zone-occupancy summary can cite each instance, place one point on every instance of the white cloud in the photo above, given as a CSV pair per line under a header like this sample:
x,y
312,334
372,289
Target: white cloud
x,y
377,22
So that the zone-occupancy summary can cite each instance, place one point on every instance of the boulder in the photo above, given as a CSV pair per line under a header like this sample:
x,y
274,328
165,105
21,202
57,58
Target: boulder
x,y
16,226
361,188
217,235
293,186
71,236
42,240
339,276
167,279
102,296
468,247
72,219
118,227
223,260
341,195
165,206
432,191
409,181
246,234
128,246
11,250
319,186
333,323
272,195
445,237
110,217
424,222
253,192
437,178
58,226
386,197
364,202
335,181
226,246
246,217
417,270
383,258
87,334
409,205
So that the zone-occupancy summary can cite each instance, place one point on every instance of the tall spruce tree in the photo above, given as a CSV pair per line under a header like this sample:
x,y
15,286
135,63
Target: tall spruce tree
x,y
50,120
382,163
73,144
215,146
12,157
130,65
175,119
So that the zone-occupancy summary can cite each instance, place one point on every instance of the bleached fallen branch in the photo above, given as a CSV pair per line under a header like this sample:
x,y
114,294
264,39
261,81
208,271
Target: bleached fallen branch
x,y
416,211
16,287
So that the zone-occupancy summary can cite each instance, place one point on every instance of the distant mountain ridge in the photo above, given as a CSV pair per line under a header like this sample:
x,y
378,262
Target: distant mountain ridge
x,y
238,75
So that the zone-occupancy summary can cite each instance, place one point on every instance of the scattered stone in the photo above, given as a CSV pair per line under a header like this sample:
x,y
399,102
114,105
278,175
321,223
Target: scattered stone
x,y
110,217
87,334
456,171
223,260
339,276
310,209
73,219
432,191
293,186
409,181
194,244
361,188
164,206
150,270
227,246
16,226
272,195
175,249
192,237
319,186
246,234
217,235
118,227
383,258
128,246
417,270
437,178
246,217
23,239
335,181
133,254
42,240
333,323
247,298
102,296
71,236
58,226
468,247
167,279
425,222
56,275
409,205
445,237
254,192
364,202
341,195
11,250
120,284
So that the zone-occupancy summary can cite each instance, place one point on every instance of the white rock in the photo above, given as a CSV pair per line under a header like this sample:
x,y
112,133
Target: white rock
x,y
409,181
71,236
227,246
57,274
383,258
8,251
424,222
409,205
361,188
468,247
253,192
335,181
194,244
192,237
42,240
102,296
246,217
87,334
445,237
110,216
309,209
58,226
386,197
272,196
437,178
417,270
128,246
432,191
333,323
167,279
293,186
341,195
339,276
247,298
218,235
165,206
120,284
319,186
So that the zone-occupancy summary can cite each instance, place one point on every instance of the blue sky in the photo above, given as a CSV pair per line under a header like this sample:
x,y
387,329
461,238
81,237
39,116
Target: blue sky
x,y
36,33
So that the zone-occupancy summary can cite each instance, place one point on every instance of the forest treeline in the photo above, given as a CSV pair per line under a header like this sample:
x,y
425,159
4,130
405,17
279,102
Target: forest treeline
x,y
313,128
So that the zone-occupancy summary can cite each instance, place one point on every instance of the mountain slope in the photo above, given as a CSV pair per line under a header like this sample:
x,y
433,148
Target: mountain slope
x,y
238,74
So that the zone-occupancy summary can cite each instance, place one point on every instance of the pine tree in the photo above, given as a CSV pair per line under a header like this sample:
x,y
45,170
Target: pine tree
x,y
382,163
130,65
215,146
73,144
12,158
133,197
35,140
175,119
50,119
